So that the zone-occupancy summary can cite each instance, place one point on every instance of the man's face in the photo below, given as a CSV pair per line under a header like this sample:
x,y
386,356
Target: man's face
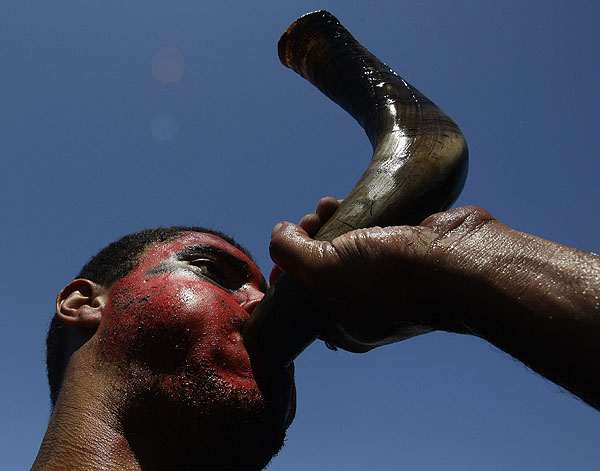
x,y
175,322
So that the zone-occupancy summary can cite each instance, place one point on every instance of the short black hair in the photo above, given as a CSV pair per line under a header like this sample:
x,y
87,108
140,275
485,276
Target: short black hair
x,y
112,263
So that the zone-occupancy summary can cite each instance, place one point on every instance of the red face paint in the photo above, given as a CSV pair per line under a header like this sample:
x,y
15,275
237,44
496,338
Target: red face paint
x,y
182,310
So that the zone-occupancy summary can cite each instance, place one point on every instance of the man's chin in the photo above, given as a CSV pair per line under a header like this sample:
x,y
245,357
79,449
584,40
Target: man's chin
x,y
208,414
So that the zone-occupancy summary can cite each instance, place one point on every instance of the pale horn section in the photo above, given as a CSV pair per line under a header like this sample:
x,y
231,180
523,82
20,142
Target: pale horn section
x,y
418,167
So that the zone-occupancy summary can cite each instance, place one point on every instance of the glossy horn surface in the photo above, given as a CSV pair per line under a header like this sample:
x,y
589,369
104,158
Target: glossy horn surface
x,y
418,167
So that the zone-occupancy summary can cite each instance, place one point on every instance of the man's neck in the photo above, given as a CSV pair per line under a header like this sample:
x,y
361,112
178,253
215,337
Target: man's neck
x,y
84,430
107,418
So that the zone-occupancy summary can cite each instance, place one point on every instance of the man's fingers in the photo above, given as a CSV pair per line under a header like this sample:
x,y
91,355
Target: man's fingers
x,y
294,252
311,223
326,207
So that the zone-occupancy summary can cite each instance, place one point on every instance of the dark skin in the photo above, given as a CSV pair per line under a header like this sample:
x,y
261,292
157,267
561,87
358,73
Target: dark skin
x,y
535,299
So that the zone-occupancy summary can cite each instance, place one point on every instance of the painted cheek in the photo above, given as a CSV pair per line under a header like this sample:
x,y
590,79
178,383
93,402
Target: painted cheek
x,y
143,322
165,321
222,345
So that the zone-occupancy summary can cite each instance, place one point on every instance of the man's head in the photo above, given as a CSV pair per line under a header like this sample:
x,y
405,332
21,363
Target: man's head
x,y
165,307
109,265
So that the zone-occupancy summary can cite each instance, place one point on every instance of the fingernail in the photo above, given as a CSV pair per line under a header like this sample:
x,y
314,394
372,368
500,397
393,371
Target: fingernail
x,y
276,229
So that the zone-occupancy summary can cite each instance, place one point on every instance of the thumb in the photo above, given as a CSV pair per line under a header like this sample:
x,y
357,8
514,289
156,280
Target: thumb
x,y
300,256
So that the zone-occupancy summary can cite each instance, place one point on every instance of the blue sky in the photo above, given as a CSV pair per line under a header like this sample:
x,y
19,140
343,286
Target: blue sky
x,y
95,145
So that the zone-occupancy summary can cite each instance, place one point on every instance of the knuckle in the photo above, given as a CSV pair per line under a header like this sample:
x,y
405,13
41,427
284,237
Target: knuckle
x,y
462,219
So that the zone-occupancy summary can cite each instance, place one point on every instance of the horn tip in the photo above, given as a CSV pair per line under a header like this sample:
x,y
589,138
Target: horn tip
x,y
296,39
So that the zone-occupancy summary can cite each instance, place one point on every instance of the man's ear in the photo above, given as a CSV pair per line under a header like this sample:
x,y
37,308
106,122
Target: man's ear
x,y
81,303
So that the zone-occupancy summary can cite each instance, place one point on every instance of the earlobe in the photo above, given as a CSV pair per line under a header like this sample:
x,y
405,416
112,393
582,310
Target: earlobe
x,y
81,303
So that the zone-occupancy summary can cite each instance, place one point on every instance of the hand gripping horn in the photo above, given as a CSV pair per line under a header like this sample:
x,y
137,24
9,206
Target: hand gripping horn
x,y
419,167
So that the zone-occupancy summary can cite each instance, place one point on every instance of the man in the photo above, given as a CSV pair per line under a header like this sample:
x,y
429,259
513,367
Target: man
x,y
164,381
158,377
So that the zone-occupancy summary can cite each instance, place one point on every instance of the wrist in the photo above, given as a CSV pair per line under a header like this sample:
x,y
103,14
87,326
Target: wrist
x,y
479,268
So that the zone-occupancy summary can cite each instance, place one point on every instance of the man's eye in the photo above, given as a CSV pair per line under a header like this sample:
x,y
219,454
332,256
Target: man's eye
x,y
209,268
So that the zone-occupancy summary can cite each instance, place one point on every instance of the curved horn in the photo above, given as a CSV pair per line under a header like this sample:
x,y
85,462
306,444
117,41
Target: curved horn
x,y
419,166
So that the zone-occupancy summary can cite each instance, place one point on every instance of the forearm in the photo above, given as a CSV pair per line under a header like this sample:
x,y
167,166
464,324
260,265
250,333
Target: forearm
x,y
460,271
537,300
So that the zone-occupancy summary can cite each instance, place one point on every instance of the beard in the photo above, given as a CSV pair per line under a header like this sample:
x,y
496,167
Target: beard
x,y
180,413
